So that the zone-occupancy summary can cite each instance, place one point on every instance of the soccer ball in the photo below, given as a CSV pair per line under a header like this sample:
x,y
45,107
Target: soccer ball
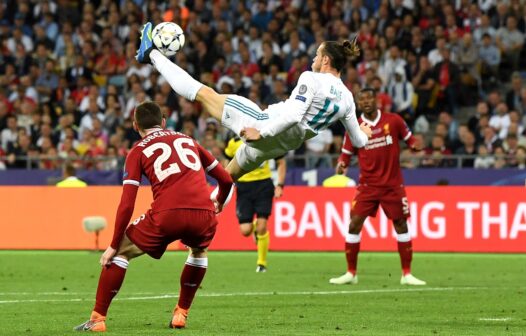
x,y
168,37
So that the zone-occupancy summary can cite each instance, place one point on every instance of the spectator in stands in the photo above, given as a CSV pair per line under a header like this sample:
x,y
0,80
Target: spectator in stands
x,y
484,29
447,75
522,108
517,127
484,160
501,120
490,139
511,145
424,84
47,81
469,148
513,97
401,91
510,41
468,58
9,134
490,59
435,55
93,112
392,60
17,150
500,158
451,124
65,56
436,152
384,101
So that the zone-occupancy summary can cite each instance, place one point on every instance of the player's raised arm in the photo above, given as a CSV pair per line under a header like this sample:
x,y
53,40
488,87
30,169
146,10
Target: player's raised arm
x,y
296,106
214,169
359,134
131,181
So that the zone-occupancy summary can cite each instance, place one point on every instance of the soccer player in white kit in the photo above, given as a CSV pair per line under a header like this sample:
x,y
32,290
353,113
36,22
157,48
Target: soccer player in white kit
x,y
319,99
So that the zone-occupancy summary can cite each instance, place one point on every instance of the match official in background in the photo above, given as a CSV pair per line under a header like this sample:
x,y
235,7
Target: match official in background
x,y
338,181
255,193
70,179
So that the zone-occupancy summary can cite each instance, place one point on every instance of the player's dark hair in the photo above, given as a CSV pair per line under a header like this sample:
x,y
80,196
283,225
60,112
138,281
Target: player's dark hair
x,y
368,90
148,115
340,52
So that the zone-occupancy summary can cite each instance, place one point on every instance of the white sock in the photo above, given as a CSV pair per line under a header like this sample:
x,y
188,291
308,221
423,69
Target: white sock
x,y
352,238
197,262
403,237
182,83
121,262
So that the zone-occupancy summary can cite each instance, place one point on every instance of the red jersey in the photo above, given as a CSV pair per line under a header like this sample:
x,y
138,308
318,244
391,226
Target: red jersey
x,y
379,160
175,165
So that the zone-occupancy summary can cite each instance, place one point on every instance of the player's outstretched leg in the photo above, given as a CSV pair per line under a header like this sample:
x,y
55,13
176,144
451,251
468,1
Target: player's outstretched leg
x,y
193,273
352,248
180,81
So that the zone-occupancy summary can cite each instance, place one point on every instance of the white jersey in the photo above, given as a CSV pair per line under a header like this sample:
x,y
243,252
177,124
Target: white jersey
x,y
317,101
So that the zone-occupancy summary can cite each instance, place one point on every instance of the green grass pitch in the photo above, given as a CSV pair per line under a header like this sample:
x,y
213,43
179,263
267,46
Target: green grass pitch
x,y
48,293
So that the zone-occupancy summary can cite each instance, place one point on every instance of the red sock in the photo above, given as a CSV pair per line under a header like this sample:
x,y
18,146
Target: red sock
x,y
405,249
351,254
193,273
110,282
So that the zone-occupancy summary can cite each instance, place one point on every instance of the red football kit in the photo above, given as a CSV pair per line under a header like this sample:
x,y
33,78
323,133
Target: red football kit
x,y
175,165
380,181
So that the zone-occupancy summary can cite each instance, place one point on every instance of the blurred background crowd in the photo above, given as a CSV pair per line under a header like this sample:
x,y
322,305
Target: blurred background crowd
x,y
69,81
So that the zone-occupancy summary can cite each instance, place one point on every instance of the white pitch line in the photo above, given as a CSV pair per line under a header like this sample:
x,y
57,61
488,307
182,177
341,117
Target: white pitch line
x,y
171,296
60,293
495,319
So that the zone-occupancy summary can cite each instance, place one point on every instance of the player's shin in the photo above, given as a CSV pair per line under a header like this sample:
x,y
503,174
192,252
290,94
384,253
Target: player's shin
x,y
110,282
352,248
193,273
180,81
405,249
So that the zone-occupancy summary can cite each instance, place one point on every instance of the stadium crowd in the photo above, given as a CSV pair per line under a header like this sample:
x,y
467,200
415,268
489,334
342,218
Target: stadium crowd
x,y
69,81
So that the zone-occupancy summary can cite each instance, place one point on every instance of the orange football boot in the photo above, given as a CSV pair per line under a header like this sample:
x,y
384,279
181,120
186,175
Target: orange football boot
x,y
96,323
179,318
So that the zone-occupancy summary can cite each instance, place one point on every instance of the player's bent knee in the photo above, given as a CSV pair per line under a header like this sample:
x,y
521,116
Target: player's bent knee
x,y
198,252
205,93
246,229
355,227
400,225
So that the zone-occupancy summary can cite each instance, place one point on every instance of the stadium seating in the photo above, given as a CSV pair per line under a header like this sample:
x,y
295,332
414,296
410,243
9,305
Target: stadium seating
x,y
69,81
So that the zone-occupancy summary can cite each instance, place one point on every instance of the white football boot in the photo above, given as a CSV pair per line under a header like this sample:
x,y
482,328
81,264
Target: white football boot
x,y
410,280
347,278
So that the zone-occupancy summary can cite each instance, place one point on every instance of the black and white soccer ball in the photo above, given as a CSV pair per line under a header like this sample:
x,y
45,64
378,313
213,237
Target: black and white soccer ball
x,y
168,37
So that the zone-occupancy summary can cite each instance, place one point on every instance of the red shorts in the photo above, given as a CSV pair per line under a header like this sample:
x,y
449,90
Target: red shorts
x,y
392,199
153,231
